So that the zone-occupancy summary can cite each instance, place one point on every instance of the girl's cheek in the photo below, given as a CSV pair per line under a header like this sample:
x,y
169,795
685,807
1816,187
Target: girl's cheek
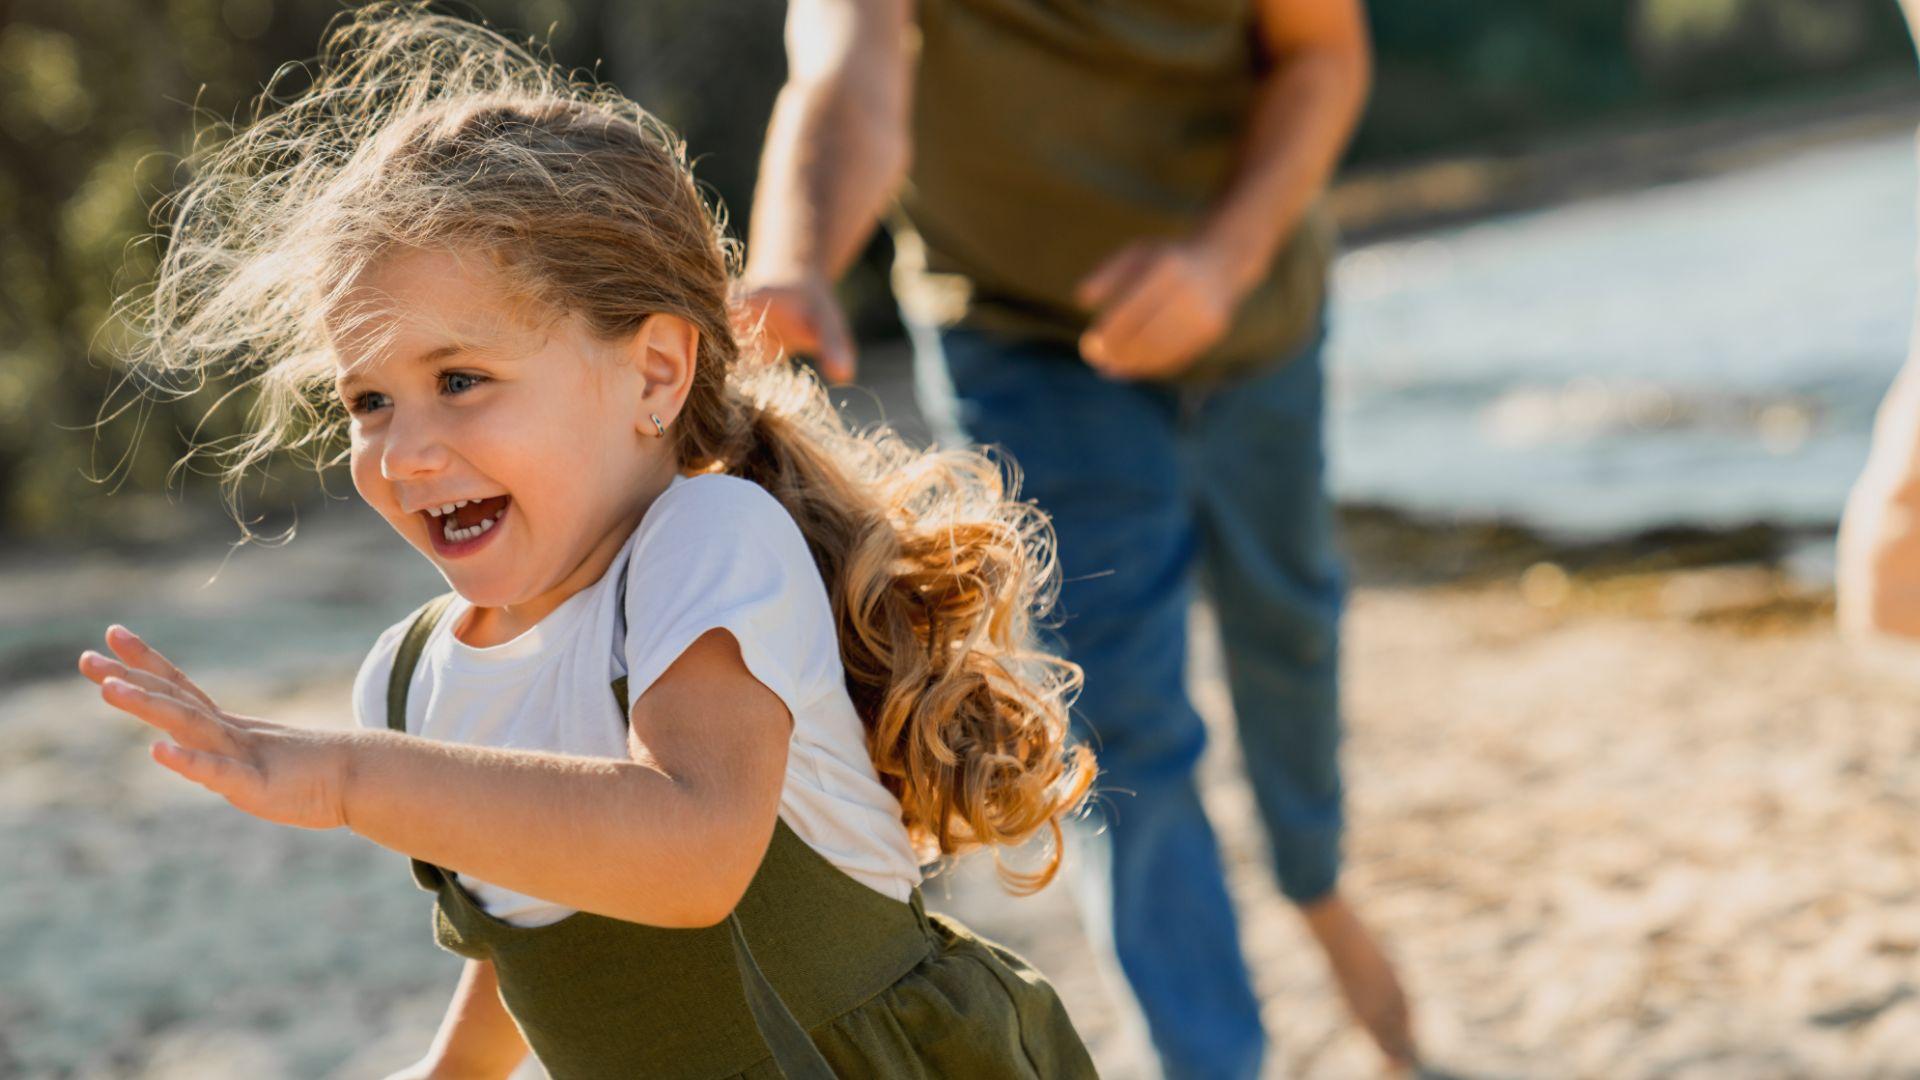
x,y
363,465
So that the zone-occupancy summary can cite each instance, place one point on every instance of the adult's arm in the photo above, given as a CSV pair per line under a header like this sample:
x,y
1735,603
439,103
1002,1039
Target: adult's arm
x,y
836,152
1160,305
1304,116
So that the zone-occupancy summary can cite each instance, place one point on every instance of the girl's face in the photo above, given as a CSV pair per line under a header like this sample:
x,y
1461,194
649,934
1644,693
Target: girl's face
x,y
459,394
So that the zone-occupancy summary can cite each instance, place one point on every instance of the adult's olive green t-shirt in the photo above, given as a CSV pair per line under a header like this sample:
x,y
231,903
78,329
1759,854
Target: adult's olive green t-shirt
x,y
1048,134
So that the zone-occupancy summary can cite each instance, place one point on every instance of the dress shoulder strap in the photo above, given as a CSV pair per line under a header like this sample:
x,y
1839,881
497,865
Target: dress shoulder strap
x,y
408,657
792,1049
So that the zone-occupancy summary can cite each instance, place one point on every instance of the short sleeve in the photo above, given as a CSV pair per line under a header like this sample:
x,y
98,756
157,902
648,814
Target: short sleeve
x,y
370,684
719,552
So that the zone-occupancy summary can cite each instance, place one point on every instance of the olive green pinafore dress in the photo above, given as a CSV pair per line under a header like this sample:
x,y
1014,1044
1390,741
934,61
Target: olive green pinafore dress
x,y
839,979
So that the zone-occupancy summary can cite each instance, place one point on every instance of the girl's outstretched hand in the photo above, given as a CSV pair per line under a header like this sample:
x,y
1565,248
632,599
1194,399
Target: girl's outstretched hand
x,y
287,775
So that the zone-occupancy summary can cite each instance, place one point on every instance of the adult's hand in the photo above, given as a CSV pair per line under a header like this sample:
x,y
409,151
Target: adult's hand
x,y
800,317
1157,306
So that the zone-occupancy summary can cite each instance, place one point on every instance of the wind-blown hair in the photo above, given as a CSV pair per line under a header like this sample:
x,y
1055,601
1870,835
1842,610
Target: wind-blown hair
x,y
418,130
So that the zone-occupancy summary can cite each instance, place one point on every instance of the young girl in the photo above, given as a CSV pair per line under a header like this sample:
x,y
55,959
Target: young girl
x,y
716,675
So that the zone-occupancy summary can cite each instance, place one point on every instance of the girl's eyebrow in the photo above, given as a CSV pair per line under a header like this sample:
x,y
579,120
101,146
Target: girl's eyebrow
x,y
353,378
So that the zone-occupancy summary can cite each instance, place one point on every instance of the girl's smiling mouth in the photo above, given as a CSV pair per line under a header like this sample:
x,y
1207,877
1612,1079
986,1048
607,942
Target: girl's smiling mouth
x,y
466,526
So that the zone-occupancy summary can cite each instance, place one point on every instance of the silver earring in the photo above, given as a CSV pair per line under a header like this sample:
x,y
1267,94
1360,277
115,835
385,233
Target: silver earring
x,y
658,427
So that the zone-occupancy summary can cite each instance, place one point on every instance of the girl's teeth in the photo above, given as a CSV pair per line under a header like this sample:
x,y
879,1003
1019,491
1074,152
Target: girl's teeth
x,y
447,508
457,535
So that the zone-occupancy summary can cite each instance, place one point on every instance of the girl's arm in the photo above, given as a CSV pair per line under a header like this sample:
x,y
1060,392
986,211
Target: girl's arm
x,y
669,838
477,1038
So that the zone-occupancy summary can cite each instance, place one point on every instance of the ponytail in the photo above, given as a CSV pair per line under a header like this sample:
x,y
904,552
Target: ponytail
x,y
935,572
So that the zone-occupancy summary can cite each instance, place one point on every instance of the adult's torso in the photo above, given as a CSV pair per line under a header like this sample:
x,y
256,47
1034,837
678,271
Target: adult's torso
x,y
1049,133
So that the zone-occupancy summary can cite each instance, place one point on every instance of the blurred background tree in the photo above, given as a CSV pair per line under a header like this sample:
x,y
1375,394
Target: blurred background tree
x,y
98,100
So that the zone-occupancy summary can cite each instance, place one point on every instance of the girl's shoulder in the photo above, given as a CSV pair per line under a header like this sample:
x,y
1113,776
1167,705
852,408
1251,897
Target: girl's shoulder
x,y
711,493
715,507
720,552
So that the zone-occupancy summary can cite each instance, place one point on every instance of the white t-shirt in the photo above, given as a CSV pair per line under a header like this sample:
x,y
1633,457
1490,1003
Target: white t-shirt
x,y
712,552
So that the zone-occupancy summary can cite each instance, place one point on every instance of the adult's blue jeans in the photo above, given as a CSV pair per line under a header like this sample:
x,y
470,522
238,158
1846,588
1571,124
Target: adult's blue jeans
x,y
1152,488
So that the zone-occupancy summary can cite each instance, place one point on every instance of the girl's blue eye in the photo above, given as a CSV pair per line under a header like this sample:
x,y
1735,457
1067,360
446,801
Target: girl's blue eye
x,y
447,379
454,382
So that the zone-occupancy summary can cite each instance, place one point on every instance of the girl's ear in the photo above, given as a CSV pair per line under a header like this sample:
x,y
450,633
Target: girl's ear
x,y
664,349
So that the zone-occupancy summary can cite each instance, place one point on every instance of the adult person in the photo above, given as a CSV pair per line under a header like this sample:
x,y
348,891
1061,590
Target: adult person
x,y
1879,550
1113,261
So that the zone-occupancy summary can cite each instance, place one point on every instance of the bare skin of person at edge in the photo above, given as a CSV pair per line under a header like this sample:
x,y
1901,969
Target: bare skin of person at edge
x,y
1878,572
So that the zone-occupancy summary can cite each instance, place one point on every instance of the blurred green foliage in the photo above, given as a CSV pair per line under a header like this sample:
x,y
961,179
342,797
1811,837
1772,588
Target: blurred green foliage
x,y
98,99
1449,72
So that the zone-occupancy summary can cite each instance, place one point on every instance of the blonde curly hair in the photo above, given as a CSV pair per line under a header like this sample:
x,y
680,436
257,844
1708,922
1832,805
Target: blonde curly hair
x,y
420,130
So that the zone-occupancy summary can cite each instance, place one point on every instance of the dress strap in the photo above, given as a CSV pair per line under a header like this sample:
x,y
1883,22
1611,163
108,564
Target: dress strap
x,y
792,1049
405,660
408,658
620,645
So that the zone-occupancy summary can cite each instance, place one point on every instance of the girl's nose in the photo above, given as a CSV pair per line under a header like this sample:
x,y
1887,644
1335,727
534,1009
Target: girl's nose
x,y
414,448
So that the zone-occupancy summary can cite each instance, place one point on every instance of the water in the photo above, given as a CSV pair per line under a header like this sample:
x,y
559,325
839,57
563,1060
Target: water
x,y
1708,352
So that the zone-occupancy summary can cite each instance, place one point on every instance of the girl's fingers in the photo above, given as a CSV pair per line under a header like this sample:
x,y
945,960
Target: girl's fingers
x,y
186,722
101,668
138,654
97,667
236,781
